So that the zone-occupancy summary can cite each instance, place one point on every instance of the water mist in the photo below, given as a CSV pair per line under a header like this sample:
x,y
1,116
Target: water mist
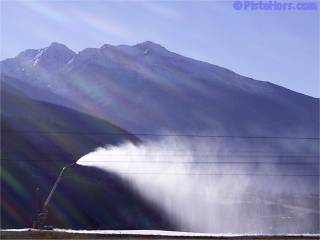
x,y
201,192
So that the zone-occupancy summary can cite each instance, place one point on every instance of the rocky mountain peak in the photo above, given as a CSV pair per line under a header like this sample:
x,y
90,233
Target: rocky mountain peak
x,y
149,45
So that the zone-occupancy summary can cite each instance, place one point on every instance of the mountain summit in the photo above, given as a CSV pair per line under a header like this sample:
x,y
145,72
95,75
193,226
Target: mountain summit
x,y
149,45
146,88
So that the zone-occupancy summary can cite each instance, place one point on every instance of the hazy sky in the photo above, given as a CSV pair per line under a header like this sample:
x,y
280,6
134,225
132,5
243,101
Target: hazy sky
x,y
277,46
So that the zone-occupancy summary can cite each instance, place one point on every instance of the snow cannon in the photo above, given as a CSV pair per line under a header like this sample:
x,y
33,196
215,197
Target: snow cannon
x,y
43,214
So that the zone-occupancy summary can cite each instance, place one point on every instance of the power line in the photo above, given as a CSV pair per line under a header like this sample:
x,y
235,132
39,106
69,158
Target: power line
x,y
207,162
206,155
162,135
216,152
178,162
221,174
106,157
210,163
176,155
182,155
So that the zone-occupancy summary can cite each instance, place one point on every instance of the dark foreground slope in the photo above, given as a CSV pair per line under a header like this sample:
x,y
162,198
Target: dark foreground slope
x,y
38,139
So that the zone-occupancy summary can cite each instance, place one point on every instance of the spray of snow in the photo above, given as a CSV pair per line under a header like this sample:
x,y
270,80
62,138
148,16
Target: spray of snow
x,y
179,177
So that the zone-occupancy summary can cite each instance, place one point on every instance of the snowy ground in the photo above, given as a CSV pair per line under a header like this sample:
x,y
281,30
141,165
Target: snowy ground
x,y
135,234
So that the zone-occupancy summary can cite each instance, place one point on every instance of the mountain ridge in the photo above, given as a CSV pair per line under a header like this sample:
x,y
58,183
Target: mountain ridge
x,y
144,46
153,85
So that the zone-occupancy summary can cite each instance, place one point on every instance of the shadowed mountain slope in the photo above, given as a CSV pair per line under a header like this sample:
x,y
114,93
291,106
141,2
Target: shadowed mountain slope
x,y
38,139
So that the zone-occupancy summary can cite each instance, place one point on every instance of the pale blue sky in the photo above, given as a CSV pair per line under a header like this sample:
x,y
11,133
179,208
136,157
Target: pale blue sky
x,y
277,46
